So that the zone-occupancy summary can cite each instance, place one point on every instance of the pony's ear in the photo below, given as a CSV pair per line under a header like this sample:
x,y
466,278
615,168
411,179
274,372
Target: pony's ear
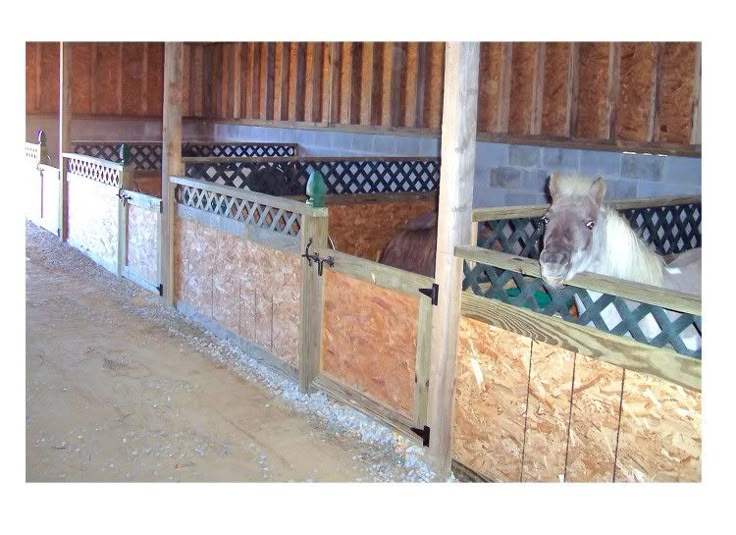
x,y
554,181
598,190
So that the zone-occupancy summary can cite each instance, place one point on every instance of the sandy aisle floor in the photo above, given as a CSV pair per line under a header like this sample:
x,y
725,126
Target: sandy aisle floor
x,y
120,388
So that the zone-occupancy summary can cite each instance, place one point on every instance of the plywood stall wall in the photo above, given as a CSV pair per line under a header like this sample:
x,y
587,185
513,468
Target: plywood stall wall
x,y
363,227
249,289
111,79
528,411
93,220
369,340
142,246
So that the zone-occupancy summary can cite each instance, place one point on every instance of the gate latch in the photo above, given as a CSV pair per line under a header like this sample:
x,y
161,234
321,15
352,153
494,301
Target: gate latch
x,y
123,197
316,258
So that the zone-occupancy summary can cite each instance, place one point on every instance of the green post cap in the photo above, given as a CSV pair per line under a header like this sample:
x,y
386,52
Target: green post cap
x,y
124,154
316,190
41,136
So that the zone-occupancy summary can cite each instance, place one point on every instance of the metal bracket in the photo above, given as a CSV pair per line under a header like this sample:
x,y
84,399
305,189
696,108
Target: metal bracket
x,y
161,290
424,433
315,257
432,293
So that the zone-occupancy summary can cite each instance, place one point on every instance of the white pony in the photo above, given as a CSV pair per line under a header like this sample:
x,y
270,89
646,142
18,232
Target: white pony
x,y
582,234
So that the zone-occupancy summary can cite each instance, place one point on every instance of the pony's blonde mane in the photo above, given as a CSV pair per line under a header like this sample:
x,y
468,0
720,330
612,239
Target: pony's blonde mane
x,y
625,254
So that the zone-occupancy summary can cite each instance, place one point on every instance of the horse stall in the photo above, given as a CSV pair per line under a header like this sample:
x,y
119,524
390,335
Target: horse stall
x,y
300,286
543,395
42,182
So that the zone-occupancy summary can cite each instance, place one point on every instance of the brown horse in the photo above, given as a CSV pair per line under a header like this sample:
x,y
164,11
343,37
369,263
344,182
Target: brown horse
x,y
415,247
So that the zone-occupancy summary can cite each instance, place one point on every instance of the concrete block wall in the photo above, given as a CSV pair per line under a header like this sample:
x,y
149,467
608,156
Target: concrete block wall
x,y
505,175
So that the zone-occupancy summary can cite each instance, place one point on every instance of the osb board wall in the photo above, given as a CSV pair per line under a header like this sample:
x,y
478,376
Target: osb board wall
x,y
111,79
142,246
363,229
597,92
249,289
527,411
93,220
369,339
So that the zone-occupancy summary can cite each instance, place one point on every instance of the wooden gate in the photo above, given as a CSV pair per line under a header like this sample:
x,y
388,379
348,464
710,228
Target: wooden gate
x,y
376,332
139,250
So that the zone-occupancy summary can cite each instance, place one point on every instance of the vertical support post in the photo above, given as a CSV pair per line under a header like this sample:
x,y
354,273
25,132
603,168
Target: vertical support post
x,y
65,134
127,182
314,228
459,125
171,164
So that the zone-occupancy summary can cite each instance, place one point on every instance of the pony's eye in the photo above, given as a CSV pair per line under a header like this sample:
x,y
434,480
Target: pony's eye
x,y
590,224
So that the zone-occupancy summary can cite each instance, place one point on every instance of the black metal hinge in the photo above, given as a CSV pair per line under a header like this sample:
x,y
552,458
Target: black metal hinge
x,y
432,292
161,289
424,433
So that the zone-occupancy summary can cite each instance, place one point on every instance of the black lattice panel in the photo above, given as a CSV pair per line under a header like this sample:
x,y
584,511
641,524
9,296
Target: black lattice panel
x,y
529,292
142,155
238,150
670,229
249,212
341,176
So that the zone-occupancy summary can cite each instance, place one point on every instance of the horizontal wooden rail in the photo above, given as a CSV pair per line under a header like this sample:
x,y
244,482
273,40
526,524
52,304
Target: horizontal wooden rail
x,y
511,212
262,198
616,350
643,293
375,273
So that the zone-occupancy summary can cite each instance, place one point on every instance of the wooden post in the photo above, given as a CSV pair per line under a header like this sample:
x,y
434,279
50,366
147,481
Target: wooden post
x,y
459,125
171,164
65,133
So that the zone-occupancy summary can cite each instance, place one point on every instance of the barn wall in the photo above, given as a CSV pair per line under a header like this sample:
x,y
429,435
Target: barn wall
x,y
505,174
561,93
642,95
111,79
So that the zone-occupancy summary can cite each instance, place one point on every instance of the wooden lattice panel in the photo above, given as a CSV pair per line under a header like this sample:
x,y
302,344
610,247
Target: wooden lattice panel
x,y
239,150
142,155
249,212
33,152
99,172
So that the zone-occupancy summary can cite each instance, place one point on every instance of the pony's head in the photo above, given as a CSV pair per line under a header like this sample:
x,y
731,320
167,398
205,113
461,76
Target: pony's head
x,y
570,226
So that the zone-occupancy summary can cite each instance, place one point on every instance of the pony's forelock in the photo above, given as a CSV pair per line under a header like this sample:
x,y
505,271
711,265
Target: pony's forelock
x,y
569,185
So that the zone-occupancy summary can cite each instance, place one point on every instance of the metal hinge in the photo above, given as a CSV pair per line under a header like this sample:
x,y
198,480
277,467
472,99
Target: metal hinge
x,y
424,433
432,292
161,290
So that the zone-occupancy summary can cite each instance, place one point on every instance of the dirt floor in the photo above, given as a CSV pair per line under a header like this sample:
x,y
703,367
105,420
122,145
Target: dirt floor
x,y
122,388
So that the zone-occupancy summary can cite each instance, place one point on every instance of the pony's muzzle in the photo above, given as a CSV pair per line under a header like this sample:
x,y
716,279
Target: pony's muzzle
x,y
554,267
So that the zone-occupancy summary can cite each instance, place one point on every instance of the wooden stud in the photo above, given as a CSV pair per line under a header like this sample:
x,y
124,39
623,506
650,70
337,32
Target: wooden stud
x,y
656,88
433,98
614,72
346,74
411,73
535,128
504,95
37,107
237,79
65,134
271,81
92,78
695,132
314,230
299,94
171,164
421,81
572,90
387,89
459,127
366,93
333,104
144,81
